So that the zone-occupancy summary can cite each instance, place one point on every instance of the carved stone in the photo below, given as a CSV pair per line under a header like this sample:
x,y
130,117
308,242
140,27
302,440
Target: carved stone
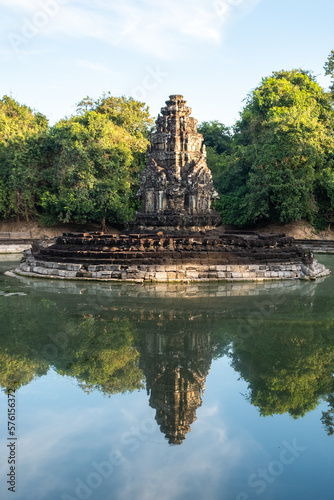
x,y
176,186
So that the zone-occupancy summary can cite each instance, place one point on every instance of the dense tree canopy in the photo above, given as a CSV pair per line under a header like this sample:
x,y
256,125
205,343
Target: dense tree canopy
x,y
218,142
98,156
83,169
283,147
21,130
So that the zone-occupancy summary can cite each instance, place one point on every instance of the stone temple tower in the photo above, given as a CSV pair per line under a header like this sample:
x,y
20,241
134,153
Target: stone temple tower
x,y
176,186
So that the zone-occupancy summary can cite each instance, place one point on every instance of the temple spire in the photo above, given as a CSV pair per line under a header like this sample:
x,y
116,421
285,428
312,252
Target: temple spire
x,y
176,186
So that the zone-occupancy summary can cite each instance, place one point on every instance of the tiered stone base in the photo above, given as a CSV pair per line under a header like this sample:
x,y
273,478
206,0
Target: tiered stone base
x,y
170,272
170,257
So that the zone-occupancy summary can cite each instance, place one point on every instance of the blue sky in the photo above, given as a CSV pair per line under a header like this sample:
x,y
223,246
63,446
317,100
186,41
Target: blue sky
x,y
55,52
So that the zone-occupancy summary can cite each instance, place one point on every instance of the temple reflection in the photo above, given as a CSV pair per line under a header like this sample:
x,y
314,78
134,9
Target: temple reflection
x,y
175,367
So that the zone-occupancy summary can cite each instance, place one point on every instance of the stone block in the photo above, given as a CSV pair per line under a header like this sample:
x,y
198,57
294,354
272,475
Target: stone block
x,y
180,267
191,274
71,274
161,275
115,267
160,269
116,275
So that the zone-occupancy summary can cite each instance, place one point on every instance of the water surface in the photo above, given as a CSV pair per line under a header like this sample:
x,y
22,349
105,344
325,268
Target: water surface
x,y
219,391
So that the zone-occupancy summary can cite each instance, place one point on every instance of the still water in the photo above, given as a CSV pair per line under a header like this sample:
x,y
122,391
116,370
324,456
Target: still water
x,y
131,392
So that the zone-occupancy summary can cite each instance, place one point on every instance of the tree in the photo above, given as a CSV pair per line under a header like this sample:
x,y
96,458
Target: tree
x,y
216,136
127,113
96,161
21,130
218,142
329,69
282,144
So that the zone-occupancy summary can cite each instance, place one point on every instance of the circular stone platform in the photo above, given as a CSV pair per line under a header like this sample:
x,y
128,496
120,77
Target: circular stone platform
x,y
160,256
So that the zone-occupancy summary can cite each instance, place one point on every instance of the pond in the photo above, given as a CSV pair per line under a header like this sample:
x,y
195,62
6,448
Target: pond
x,y
131,392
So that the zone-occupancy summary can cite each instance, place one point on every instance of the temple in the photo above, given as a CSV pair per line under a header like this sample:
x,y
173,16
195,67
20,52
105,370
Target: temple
x,y
175,235
176,186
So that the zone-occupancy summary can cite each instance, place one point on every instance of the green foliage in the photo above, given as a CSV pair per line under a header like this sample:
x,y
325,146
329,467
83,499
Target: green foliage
x,y
287,372
127,113
329,69
217,136
18,120
327,418
93,171
282,143
104,359
98,351
84,169
21,131
218,142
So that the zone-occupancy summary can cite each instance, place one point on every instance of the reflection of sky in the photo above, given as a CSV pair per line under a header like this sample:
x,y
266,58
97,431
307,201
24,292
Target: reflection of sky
x,y
62,431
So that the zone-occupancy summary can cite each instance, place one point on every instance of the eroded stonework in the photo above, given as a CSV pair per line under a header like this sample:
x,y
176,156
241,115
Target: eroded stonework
x,y
176,186
210,256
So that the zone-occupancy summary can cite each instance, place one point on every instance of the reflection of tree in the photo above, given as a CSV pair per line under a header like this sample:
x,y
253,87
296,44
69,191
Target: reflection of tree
x,y
327,418
101,356
17,370
288,368
97,350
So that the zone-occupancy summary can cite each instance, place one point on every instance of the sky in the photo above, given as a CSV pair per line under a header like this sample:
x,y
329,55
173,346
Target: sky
x,y
213,52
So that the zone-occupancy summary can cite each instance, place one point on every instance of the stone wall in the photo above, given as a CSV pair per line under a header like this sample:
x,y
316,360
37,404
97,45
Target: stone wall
x,y
14,247
171,272
318,246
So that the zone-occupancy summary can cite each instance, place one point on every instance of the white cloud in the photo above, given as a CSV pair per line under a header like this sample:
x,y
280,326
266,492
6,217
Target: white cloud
x,y
158,28
26,5
94,66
